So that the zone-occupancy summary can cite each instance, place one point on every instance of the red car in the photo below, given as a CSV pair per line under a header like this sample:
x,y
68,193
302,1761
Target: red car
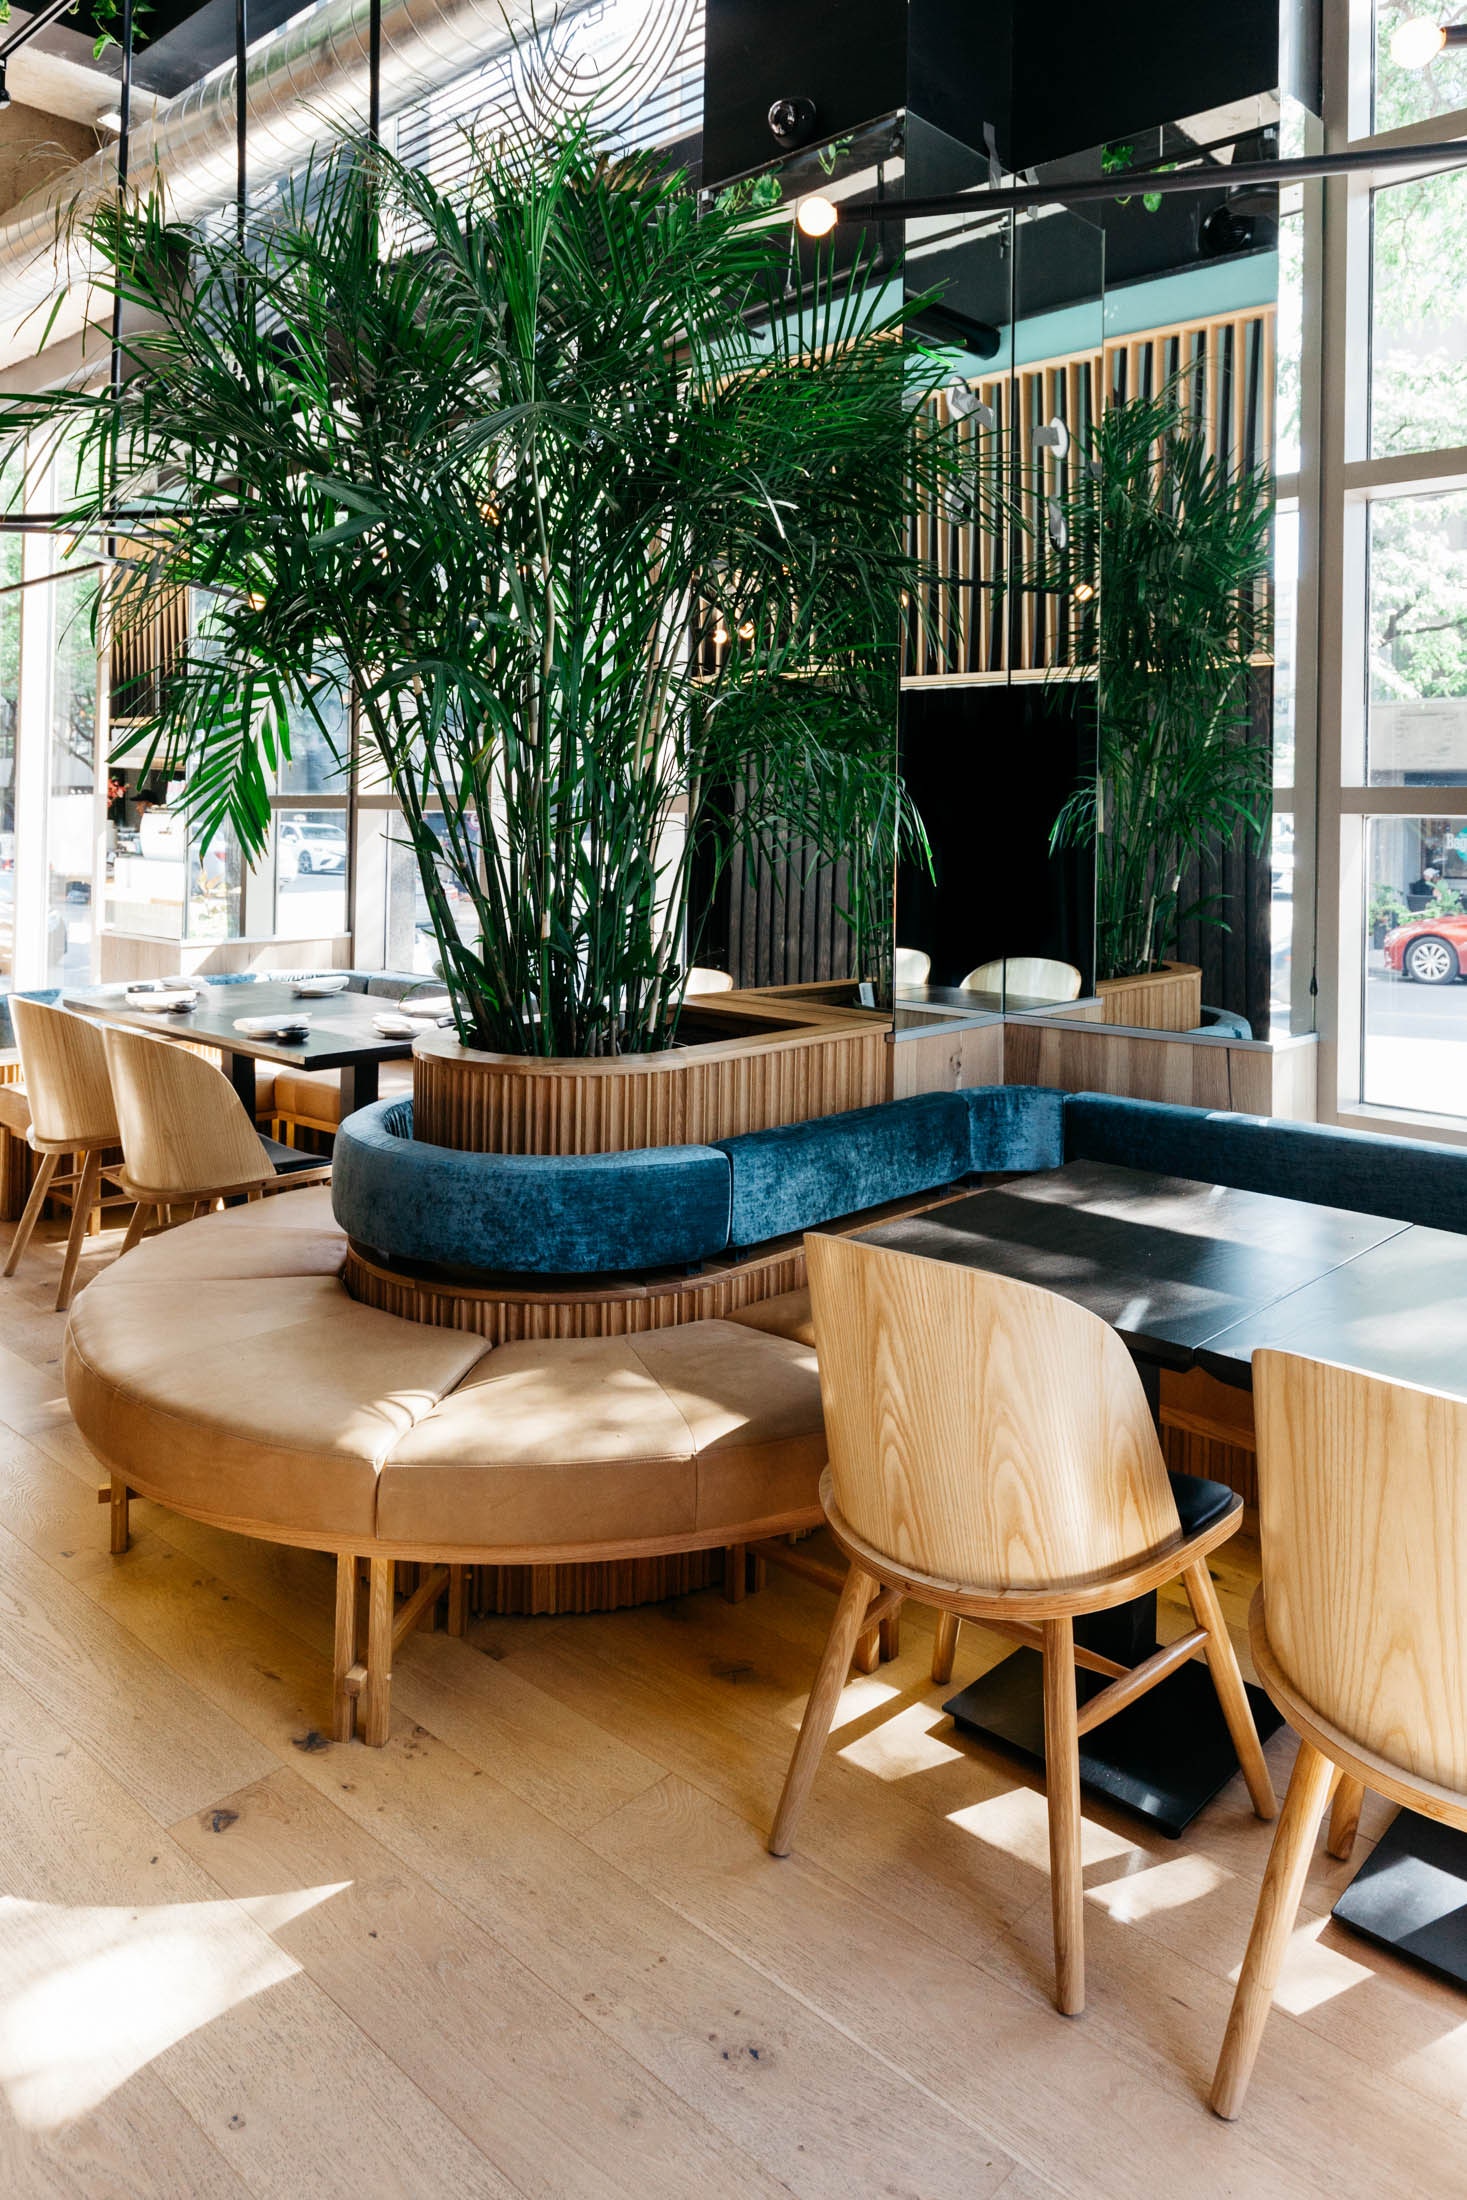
x,y
1432,950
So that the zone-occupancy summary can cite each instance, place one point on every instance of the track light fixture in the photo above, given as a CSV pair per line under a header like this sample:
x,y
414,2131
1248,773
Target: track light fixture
x,y
1417,42
792,123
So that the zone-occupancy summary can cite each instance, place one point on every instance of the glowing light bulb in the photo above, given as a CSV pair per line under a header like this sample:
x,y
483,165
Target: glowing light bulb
x,y
816,216
746,631
1416,42
1085,593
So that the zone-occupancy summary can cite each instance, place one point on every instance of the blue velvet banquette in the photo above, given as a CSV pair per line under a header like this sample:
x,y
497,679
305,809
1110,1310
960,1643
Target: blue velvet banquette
x,y
674,1206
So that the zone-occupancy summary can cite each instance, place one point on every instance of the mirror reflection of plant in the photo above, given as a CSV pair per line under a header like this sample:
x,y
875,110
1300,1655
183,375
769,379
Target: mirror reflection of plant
x,y
1174,552
509,483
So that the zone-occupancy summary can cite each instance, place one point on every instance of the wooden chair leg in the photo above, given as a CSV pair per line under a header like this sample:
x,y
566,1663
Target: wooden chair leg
x,y
121,1521
344,1650
889,1636
25,1228
1222,1663
1310,1788
830,1679
1344,1817
136,1226
944,1647
379,1652
866,1657
83,1199
1062,1784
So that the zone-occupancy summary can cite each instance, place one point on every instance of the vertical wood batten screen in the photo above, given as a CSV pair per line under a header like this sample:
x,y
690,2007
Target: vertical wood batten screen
x,y
978,621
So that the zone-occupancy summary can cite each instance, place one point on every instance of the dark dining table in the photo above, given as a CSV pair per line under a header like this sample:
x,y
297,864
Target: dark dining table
x,y
342,1034
1195,1275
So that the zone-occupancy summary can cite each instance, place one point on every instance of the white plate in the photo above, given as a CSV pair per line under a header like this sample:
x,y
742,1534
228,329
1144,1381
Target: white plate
x,y
274,1027
166,1001
318,989
395,1026
431,1009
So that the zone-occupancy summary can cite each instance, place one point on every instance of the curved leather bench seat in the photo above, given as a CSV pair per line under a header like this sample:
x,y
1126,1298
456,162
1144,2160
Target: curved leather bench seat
x,y
222,1370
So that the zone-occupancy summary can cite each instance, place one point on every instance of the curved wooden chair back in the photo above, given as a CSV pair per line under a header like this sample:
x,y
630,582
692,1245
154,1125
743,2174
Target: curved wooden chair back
x,y
703,980
184,1128
981,1431
1363,1514
1039,977
910,966
64,1066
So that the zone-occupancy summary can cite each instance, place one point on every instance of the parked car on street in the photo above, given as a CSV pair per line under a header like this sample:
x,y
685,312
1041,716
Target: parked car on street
x,y
1430,950
304,848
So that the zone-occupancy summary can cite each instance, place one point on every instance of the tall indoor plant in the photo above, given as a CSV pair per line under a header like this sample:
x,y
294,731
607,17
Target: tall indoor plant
x,y
1168,553
601,530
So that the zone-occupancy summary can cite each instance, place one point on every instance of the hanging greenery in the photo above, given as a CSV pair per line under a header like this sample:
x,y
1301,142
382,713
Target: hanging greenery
x,y
601,529
1168,558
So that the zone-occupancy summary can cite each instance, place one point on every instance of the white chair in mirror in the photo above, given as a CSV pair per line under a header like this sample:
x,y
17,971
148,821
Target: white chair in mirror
x,y
1034,977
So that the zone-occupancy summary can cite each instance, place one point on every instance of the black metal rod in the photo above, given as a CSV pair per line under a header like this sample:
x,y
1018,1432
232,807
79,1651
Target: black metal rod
x,y
25,32
1127,182
124,135
374,71
241,114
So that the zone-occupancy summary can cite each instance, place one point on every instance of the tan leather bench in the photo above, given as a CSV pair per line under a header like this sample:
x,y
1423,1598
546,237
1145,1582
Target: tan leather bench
x,y
222,1370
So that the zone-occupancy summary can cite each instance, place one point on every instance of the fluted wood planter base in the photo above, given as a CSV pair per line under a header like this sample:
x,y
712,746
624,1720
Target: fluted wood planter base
x,y
750,1061
1169,999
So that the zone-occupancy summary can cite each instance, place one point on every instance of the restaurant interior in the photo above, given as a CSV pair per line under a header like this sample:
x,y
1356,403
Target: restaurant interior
x,y
733,1100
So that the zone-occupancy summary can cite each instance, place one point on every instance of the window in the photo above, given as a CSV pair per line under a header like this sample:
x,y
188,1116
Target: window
x,y
1416,725
1414,1021
1418,315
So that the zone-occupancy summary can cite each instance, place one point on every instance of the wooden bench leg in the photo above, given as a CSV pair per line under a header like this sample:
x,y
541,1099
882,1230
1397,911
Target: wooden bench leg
x,y
346,1673
736,1572
119,1497
889,1635
866,1656
458,1600
378,1689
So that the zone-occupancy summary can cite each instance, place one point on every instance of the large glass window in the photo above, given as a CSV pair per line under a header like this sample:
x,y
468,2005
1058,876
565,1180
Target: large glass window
x,y
1417,678
1414,1021
1404,90
311,871
9,705
71,818
1418,326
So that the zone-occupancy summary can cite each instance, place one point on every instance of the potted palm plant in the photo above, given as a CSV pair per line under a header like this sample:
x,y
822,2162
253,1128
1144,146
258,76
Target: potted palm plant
x,y
1168,557
600,532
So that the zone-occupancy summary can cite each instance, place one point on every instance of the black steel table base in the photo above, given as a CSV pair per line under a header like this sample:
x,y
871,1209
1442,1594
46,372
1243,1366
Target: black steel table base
x,y
1165,1756
1410,1895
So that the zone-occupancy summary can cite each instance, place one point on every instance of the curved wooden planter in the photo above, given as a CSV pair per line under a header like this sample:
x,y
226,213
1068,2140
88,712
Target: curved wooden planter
x,y
1169,999
751,1061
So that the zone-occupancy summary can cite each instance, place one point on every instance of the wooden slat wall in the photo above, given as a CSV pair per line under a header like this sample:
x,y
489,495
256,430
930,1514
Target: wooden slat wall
x,y
975,623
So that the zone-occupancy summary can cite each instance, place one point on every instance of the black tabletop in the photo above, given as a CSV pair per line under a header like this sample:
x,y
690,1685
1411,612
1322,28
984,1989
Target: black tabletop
x,y
959,1000
1171,1264
342,1028
1398,1309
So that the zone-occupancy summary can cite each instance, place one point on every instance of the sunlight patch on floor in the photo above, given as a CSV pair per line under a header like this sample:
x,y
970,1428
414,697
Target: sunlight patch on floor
x,y
1018,1823
88,1997
1167,1886
903,1744
1312,1974
861,1694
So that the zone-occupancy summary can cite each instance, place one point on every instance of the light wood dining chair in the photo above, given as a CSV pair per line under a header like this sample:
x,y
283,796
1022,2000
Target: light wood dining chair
x,y
992,1454
1359,1630
69,1096
909,966
187,1138
702,979
1039,977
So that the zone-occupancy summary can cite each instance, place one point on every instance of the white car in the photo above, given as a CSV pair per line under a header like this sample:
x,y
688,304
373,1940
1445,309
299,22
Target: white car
x,y
306,848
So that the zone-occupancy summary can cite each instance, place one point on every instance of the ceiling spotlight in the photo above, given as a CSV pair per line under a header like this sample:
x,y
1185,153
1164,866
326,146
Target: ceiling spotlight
x,y
1419,40
816,216
792,122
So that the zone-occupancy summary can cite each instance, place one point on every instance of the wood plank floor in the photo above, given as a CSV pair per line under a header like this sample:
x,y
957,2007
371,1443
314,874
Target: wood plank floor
x,y
535,1946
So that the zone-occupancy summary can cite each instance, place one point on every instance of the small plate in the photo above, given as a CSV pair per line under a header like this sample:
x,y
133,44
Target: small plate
x,y
165,1000
393,1025
274,1027
319,989
430,1010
